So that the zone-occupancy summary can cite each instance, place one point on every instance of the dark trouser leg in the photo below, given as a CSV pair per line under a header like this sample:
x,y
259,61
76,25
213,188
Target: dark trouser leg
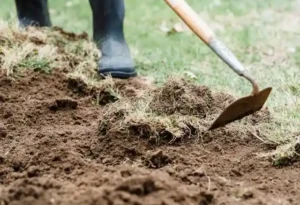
x,y
33,12
108,17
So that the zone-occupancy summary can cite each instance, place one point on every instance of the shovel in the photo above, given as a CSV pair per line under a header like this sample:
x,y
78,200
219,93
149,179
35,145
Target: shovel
x,y
242,107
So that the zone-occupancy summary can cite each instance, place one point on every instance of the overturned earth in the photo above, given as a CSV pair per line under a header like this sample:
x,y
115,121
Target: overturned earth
x,y
65,141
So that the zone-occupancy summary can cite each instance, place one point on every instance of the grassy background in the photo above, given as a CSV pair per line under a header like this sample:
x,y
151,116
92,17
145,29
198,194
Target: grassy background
x,y
265,35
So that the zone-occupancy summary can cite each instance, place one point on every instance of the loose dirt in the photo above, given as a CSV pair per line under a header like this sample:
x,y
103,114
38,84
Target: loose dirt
x,y
64,143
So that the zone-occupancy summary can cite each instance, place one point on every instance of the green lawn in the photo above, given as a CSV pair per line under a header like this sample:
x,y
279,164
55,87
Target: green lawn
x,y
265,35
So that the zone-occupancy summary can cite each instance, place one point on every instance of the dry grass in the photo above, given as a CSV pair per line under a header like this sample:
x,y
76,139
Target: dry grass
x,y
18,50
288,153
136,118
43,49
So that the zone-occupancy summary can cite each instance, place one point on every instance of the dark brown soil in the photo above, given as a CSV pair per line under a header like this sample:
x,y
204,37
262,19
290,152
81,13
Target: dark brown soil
x,y
59,147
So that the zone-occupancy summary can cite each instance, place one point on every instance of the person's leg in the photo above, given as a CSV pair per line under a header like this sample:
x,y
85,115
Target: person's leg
x,y
108,17
33,12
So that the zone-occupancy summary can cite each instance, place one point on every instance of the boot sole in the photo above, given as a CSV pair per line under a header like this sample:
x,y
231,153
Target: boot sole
x,y
118,74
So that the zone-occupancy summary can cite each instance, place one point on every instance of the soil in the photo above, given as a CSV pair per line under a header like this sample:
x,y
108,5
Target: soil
x,y
58,146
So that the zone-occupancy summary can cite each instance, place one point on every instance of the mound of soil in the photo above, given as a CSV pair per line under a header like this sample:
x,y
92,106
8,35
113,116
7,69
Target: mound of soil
x,y
147,145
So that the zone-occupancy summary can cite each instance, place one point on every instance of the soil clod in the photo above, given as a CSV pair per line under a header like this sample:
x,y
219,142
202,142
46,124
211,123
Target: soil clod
x,y
63,104
3,98
157,160
3,132
138,186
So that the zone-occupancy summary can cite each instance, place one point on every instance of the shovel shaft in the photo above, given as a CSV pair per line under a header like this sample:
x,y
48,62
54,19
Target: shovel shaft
x,y
201,29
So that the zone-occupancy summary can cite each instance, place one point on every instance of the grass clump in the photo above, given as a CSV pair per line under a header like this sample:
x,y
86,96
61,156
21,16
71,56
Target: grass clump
x,y
45,49
177,96
176,112
136,118
288,153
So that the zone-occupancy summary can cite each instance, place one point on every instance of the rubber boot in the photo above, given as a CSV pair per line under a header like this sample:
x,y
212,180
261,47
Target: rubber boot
x,y
108,18
33,13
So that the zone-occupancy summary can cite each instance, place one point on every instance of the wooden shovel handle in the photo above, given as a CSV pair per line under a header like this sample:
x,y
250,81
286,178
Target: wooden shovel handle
x,y
191,18
199,27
